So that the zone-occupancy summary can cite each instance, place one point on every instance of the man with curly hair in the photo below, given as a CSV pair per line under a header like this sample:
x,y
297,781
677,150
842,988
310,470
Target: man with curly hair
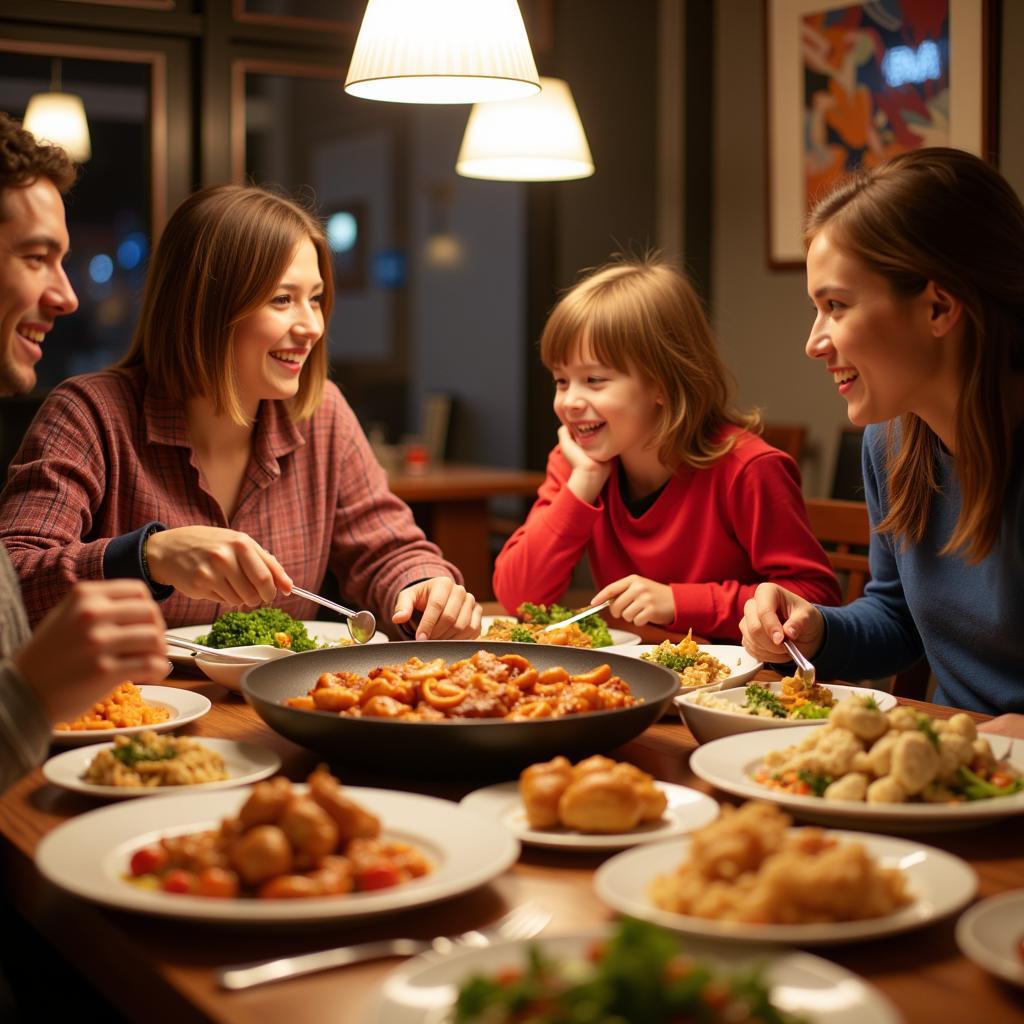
x,y
103,632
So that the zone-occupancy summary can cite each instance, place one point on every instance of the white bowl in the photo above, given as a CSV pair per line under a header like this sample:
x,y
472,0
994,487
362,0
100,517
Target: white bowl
x,y
709,724
229,673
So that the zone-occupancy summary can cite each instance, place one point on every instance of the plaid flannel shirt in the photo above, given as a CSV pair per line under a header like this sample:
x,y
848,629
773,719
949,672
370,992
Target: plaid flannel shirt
x,y
107,454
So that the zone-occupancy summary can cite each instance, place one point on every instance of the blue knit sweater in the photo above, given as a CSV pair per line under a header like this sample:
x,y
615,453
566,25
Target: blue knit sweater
x,y
967,619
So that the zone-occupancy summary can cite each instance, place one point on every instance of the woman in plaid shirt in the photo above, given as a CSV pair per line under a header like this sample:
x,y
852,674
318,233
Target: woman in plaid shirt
x,y
216,461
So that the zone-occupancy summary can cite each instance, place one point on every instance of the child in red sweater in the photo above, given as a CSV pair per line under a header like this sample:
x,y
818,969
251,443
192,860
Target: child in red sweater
x,y
681,509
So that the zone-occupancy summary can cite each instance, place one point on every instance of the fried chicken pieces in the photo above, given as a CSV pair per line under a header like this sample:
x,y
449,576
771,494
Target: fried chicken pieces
x,y
597,795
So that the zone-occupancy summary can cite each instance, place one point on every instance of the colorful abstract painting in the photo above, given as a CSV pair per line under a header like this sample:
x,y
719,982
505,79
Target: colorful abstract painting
x,y
876,82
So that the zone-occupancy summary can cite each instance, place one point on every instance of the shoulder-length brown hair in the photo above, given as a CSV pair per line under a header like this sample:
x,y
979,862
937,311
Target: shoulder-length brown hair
x,y
943,215
640,315
220,258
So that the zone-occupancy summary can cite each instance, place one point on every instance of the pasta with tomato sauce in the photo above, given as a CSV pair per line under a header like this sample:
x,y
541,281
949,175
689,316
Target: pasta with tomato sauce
x,y
485,685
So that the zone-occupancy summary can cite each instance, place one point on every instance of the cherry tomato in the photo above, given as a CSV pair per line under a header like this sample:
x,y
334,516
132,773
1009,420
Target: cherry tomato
x,y
381,876
148,861
179,881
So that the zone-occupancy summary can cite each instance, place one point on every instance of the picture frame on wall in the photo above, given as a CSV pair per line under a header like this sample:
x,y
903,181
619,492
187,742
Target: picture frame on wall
x,y
852,83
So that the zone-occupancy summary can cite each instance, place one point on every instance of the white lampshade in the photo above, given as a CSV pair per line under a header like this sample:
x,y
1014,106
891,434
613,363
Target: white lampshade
x,y
540,138
442,51
59,118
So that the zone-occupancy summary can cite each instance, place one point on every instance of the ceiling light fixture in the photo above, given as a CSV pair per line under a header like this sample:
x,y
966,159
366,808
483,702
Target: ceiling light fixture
x,y
540,138
442,51
59,118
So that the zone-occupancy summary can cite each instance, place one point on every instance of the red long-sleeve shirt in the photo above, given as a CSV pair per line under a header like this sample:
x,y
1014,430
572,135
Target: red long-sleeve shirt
x,y
712,535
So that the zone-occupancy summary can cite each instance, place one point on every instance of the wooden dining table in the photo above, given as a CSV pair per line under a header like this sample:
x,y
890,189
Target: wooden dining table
x,y
161,969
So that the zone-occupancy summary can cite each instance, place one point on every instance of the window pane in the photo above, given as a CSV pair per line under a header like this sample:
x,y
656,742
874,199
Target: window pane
x,y
109,209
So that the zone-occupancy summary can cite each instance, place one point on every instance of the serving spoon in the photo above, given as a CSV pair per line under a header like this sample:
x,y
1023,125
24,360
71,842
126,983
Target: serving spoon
x,y
361,625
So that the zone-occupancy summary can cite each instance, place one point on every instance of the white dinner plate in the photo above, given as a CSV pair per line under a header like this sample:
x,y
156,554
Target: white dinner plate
x,y
939,883
620,637
322,632
730,763
991,934
89,855
743,666
185,706
245,763
687,809
423,990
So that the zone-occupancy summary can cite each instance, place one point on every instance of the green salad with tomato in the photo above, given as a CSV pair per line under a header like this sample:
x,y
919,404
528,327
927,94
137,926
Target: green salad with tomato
x,y
639,976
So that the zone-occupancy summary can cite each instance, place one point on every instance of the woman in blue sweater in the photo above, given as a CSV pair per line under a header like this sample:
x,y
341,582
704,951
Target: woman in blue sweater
x,y
916,272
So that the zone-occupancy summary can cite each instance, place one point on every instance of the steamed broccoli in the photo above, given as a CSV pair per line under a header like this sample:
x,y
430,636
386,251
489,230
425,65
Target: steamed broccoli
x,y
269,626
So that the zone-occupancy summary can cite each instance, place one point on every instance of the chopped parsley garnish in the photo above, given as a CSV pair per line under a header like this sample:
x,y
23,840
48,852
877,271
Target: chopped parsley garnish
x,y
674,660
817,781
521,635
762,697
924,725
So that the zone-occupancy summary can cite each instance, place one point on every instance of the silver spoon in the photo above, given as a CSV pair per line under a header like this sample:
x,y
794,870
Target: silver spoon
x,y
219,653
361,625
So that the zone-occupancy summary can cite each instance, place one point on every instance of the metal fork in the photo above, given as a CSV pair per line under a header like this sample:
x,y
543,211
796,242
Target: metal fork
x,y
804,668
523,922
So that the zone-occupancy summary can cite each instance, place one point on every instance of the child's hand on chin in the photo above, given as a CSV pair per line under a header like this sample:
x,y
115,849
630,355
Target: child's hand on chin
x,y
588,475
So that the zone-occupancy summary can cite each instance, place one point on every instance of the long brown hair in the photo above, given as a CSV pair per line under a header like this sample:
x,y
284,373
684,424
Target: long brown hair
x,y
642,315
219,259
943,215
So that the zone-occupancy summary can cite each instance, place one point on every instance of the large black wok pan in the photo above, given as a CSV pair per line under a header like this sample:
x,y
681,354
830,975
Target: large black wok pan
x,y
445,748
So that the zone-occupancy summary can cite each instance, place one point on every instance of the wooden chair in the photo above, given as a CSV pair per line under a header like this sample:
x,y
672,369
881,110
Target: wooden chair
x,y
789,438
843,529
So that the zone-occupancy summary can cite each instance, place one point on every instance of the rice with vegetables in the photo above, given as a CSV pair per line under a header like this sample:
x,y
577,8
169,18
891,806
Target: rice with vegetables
x,y
694,666
149,760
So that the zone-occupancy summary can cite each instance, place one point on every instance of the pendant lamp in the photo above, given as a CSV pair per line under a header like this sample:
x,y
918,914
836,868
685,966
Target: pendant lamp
x,y
442,51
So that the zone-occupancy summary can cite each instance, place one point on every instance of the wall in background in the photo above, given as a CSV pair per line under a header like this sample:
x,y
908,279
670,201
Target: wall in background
x,y
467,322
763,316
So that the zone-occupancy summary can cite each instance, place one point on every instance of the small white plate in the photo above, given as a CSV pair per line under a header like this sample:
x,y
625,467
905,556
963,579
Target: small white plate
x,y
245,763
991,933
185,706
743,666
939,882
89,855
322,632
709,724
687,809
620,637
423,990
730,763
